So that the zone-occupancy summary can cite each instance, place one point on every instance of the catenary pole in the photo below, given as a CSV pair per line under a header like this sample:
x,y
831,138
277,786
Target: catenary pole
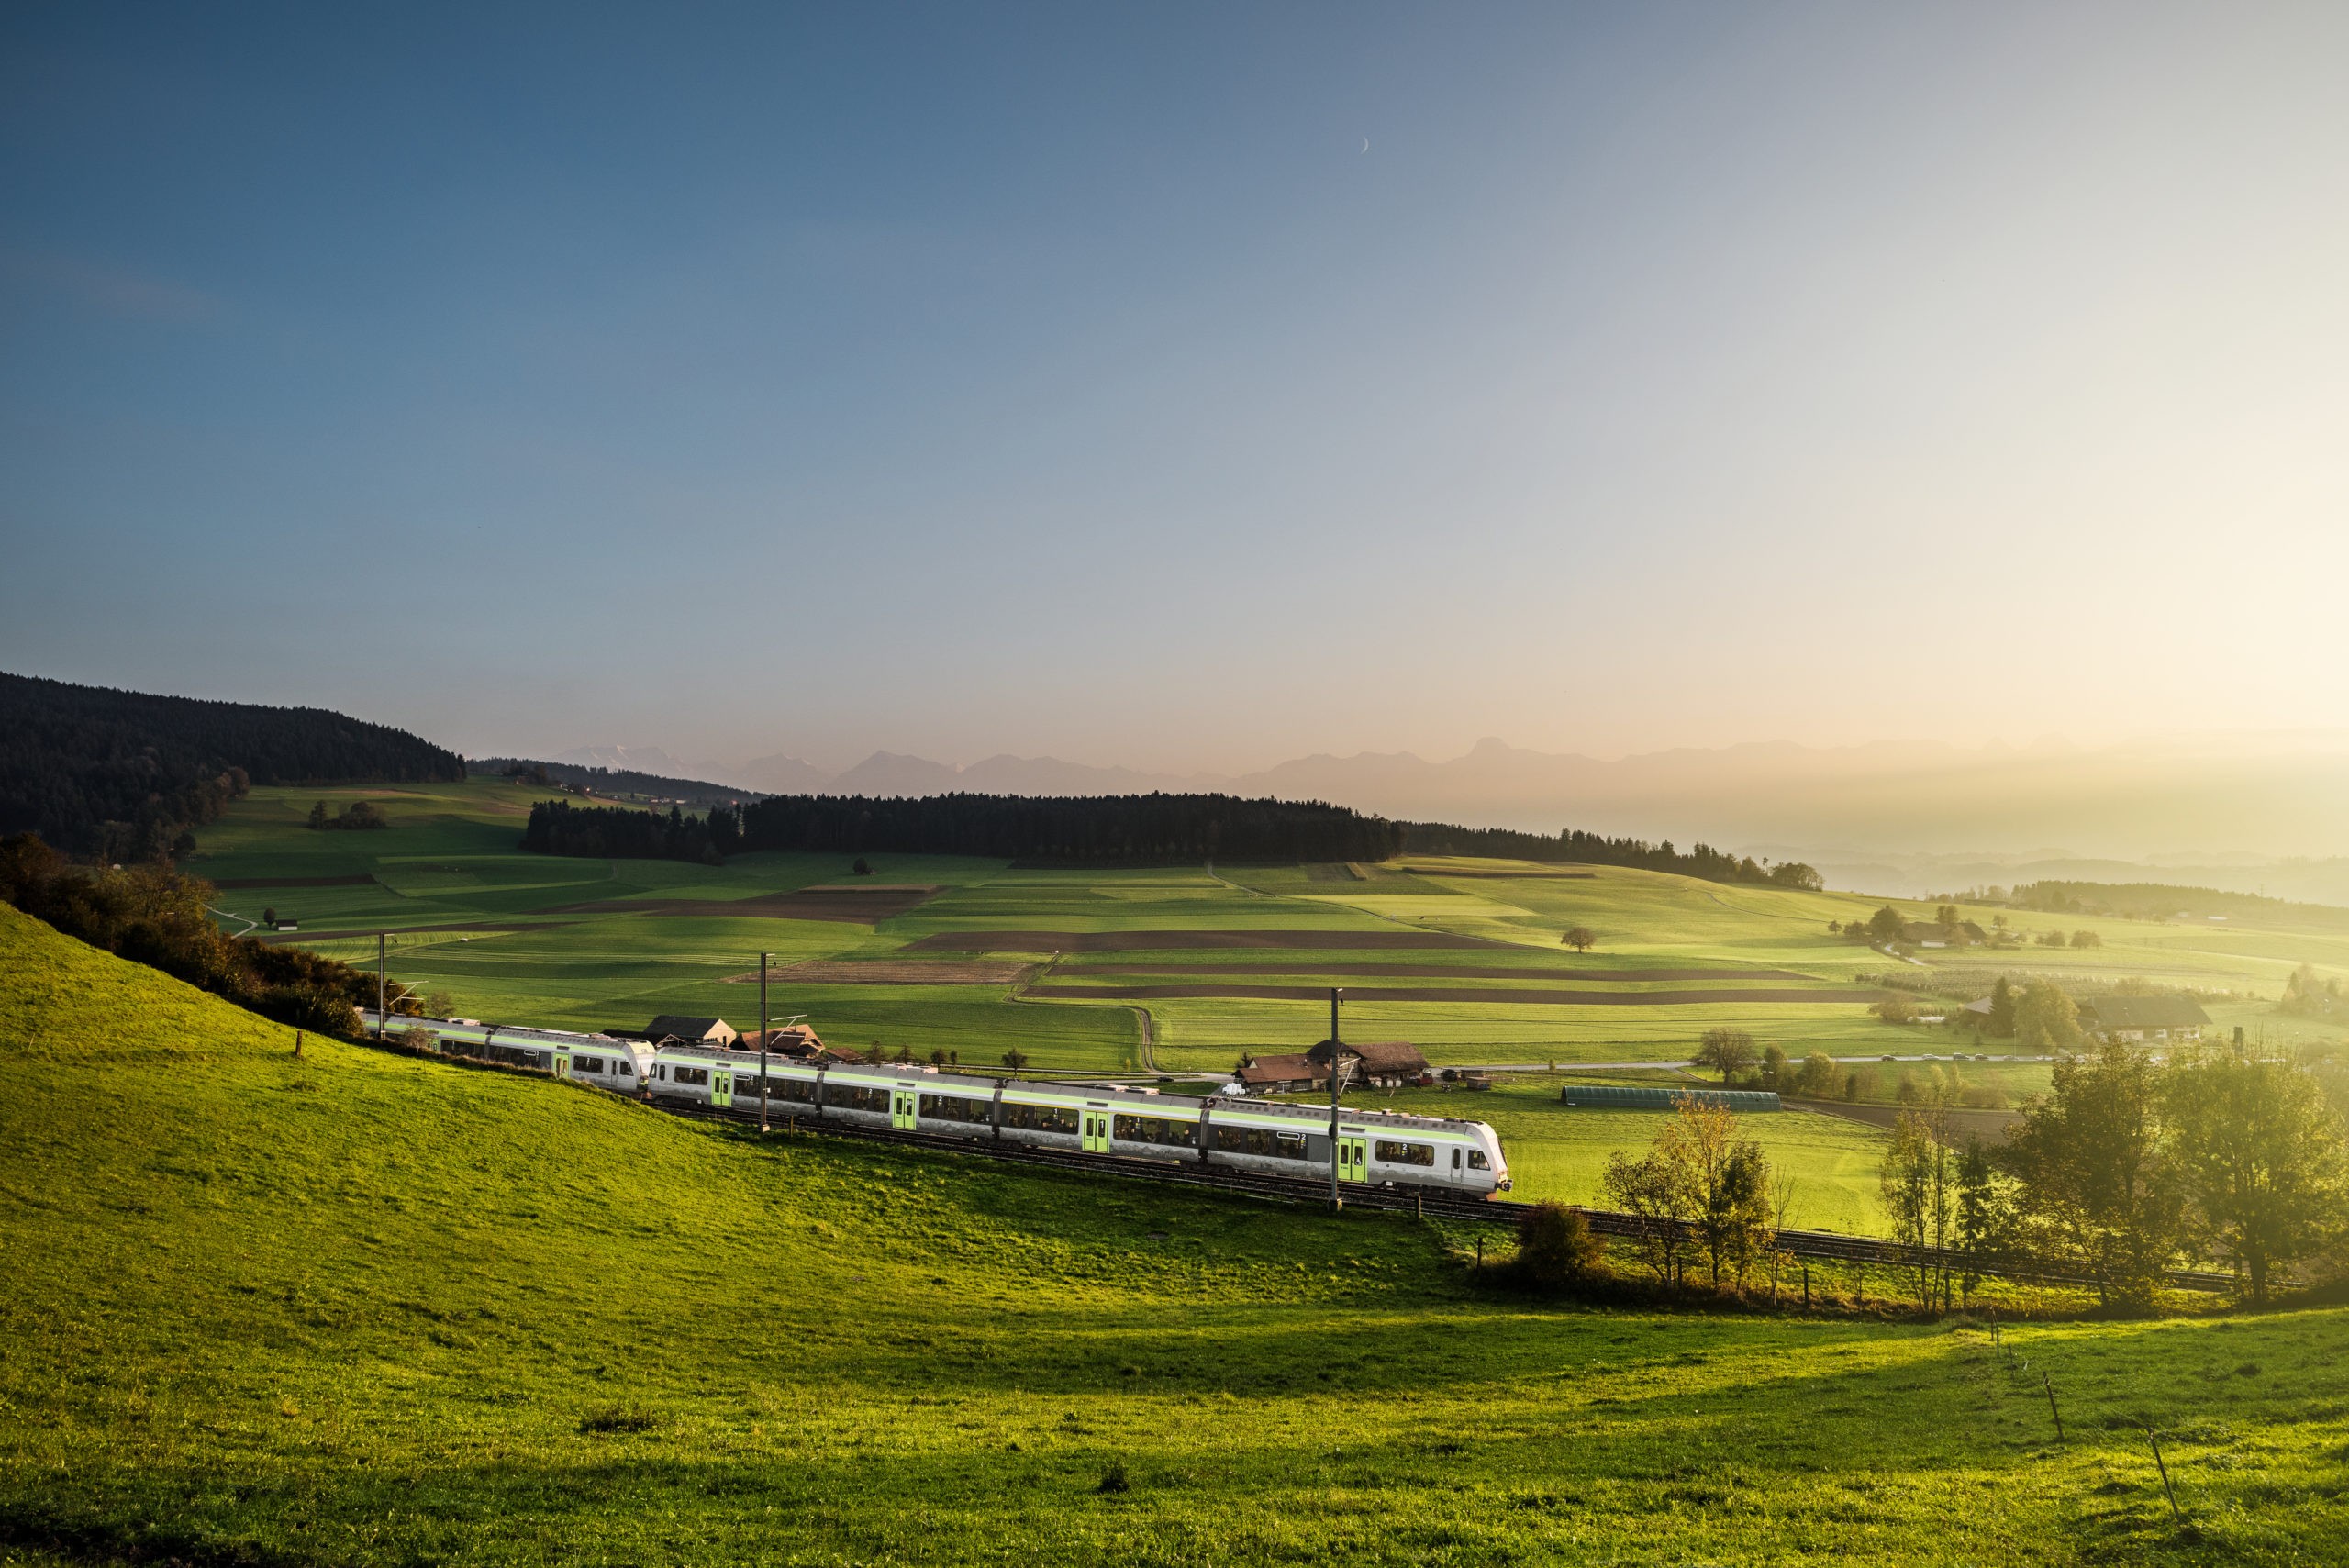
x,y
762,1041
1335,1201
382,1022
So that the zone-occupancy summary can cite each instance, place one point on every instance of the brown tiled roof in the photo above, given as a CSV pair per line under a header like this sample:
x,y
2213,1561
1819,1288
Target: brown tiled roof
x,y
687,1028
1379,1056
1279,1070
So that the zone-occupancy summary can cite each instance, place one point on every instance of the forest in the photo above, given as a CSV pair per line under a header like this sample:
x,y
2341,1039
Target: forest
x,y
1132,829
1572,844
125,776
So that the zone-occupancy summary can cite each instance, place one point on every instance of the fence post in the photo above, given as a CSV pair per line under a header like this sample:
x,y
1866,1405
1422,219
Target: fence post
x,y
2049,1384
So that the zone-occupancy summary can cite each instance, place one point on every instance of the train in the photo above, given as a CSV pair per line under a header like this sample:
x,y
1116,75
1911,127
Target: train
x,y
1385,1149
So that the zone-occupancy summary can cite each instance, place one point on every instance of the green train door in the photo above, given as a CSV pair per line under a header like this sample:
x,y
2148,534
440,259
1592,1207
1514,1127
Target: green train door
x,y
721,1087
1354,1159
1094,1127
563,1064
901,1109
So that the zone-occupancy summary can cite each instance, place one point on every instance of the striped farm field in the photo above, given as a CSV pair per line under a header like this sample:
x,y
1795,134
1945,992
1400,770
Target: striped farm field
x,y
1117,970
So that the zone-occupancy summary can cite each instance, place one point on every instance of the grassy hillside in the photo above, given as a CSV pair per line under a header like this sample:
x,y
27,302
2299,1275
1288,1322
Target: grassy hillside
x,y
360,1309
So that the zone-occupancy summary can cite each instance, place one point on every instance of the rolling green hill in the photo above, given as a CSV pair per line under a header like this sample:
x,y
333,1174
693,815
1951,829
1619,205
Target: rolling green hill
x,y
357,1309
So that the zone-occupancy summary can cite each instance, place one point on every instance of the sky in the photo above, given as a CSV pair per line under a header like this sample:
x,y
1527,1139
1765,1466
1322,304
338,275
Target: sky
x,y
1186,387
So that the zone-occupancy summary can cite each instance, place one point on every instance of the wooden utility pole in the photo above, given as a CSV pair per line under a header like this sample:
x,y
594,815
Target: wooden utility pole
x,y
762,1041
381,1020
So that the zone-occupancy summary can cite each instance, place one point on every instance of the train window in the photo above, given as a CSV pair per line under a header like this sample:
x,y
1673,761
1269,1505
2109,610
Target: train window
x,y
1476,1160
1406,1153
856,1097
953,1107
1155,1130
1260,1140
626,1070
588,1063
692,1074
1039,1118
1455,1159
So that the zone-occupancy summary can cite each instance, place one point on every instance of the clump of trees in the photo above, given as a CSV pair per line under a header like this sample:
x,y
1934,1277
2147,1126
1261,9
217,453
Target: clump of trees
x,y
358,815
1105,829
2307,997
2128,1168
1701,1197
154,916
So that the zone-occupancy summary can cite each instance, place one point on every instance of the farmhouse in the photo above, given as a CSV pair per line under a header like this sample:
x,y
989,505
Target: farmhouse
x,y
1388,1065
797,1043
691,1032
1277,1074
2144,1018
1385,1065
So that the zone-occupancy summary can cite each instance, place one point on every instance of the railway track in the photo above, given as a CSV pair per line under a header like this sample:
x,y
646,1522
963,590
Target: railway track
x,y
1813,1246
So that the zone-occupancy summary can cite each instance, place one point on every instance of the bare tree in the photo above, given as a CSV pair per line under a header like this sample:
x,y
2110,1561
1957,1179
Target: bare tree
x,y
1726,1051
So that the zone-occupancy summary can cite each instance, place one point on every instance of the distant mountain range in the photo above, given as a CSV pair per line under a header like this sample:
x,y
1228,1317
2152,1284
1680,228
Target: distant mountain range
x,y
1910,813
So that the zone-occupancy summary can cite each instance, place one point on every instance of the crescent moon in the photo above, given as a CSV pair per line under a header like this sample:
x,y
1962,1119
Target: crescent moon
x,y
1366,144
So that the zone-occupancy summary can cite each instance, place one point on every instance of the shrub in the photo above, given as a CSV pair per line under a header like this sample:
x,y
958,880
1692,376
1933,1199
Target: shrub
x,y
619,1418
1555,1249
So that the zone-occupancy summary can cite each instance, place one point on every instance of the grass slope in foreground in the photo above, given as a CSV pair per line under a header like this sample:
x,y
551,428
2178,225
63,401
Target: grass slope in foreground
x,y
360,1309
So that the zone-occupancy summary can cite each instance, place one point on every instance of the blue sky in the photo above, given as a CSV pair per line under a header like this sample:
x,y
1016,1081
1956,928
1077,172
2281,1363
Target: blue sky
x,y
741,380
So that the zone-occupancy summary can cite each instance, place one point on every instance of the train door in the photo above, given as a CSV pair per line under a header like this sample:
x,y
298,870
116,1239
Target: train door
x,y
721,1087
563,1064
901,1109
1094,1127
1353,1158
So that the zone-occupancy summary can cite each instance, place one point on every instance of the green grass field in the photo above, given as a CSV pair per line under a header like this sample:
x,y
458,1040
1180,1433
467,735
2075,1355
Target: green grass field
x,y
357,1309
528,938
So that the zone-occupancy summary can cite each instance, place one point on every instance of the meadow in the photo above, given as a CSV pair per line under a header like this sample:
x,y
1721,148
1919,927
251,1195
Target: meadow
x,y
352,1307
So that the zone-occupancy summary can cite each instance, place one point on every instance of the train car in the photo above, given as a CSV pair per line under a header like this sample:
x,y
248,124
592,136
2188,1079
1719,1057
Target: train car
x,y
1375,1148
623,1066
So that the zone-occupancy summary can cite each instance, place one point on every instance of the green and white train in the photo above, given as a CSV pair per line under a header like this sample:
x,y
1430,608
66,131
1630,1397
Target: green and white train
x,y
1379,1148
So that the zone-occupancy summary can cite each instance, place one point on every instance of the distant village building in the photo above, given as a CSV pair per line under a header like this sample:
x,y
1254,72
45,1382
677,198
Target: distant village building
x,y
1389,1064
1933,934
690,1031
2137,1019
